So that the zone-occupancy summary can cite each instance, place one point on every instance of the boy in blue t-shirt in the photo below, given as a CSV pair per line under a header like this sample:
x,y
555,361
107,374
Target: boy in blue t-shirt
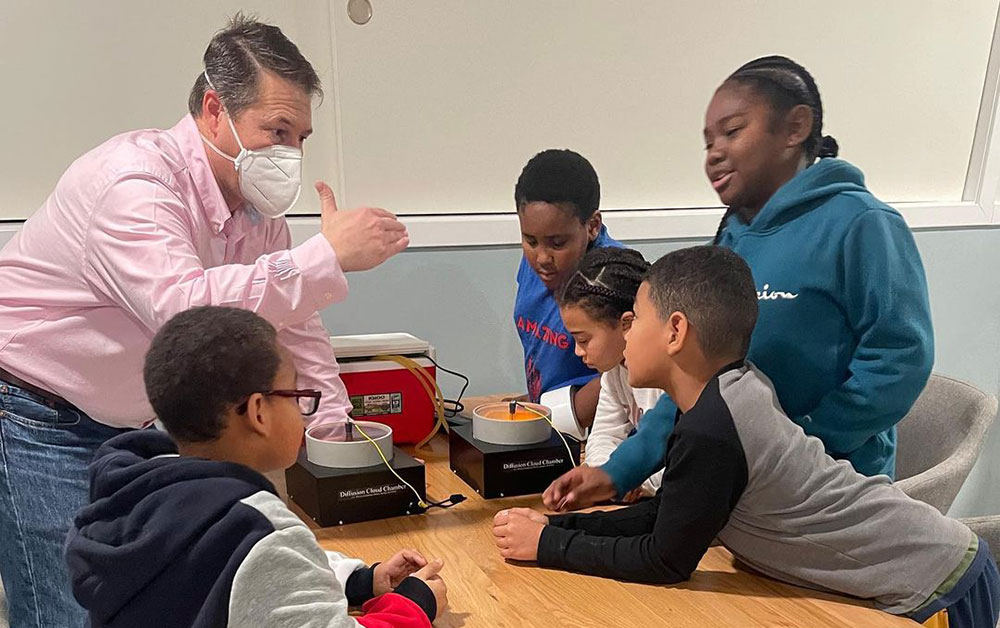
x,y
557,198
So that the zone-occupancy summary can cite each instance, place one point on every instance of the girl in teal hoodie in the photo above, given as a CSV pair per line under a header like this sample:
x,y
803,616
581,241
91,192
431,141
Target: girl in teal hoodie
x,y
844,330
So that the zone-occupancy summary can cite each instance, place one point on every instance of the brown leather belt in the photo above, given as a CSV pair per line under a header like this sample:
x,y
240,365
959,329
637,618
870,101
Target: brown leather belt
x,y
53,399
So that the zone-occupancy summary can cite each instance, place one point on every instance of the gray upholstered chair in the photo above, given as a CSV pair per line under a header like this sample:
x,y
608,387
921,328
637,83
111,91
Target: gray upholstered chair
x,y
940,439
987,527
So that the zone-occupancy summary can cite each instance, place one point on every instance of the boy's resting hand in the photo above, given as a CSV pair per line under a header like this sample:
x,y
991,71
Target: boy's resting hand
x,y
501,517
389,574
517,535
579,488
429,574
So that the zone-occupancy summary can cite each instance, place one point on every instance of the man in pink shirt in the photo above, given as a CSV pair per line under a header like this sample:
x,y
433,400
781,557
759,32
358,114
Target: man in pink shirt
x,y
147,225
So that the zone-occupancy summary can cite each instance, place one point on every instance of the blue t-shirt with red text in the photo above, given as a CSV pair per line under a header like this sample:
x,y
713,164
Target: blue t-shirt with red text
x,y
549,358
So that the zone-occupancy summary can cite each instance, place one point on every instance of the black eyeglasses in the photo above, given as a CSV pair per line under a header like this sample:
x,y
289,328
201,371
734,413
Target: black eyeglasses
x,y
308,400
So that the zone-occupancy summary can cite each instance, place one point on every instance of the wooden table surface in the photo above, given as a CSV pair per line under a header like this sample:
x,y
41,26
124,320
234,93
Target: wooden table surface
x,y
484,590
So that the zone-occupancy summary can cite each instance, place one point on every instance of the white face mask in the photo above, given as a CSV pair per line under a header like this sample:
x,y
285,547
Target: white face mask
x,y
270,178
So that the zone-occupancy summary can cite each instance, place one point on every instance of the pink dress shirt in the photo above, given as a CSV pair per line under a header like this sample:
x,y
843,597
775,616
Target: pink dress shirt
x,y
136,231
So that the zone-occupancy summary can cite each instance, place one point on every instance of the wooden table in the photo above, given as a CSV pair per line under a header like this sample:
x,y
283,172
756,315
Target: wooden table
x,y
484,590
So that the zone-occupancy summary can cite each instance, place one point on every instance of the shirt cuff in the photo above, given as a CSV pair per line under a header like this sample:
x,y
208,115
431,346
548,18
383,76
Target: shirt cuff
x,y
619,472
552,544
417,591
360,585
323,277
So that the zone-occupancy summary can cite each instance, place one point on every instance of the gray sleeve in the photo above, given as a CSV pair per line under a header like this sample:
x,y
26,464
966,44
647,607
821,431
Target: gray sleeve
x,y
286,582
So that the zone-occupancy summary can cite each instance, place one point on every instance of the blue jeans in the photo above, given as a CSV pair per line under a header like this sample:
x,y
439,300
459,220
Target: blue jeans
x,y
44,454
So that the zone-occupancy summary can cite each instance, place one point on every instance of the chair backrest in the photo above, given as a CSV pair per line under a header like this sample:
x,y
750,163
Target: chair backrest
x,y
987,527
948,417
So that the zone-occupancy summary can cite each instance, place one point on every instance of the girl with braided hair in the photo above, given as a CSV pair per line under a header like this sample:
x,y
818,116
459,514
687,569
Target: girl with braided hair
x,y
596,306
845,326
844,331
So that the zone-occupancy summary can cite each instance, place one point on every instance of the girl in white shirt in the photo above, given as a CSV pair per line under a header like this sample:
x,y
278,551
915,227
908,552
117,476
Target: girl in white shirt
x,y
596,307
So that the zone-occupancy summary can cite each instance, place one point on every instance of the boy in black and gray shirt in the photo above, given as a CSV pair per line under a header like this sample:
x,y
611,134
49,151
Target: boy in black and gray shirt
x,y
739,470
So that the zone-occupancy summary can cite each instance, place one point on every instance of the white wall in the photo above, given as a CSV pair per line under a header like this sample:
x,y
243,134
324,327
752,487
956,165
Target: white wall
x,y
76,73
442,102
435,105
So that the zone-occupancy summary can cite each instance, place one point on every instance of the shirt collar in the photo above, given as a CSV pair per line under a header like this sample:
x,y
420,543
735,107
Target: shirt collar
x,y
213,204
731,366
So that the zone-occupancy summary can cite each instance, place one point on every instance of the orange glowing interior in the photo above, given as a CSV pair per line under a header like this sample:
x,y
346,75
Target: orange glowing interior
x,y
503,414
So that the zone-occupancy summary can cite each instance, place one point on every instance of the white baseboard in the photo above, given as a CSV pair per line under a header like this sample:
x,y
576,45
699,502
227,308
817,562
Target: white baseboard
x,y
638,225
631,225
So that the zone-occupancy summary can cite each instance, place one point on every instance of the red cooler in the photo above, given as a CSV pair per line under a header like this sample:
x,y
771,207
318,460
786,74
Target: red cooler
x,y
385,391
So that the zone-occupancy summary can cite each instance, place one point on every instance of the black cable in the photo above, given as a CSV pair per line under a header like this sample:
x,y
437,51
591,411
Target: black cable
x,y
456,404
457,407
454,500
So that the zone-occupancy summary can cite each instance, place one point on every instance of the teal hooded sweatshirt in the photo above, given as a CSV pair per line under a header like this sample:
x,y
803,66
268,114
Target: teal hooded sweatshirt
x,y
844,330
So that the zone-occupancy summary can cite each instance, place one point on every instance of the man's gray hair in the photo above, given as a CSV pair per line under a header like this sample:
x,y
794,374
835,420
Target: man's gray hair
x,y
235,57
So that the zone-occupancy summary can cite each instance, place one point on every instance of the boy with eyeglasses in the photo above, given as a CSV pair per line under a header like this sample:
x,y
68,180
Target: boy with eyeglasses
x,y
184,530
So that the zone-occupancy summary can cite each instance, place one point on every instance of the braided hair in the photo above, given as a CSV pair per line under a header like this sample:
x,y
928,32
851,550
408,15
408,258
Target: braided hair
x,y
784,84
605,283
